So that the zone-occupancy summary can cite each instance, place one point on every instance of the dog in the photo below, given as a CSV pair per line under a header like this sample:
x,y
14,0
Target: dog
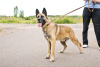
x,y
53,32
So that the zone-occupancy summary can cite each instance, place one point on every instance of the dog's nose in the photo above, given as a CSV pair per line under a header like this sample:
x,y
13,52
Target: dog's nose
x,y
38,19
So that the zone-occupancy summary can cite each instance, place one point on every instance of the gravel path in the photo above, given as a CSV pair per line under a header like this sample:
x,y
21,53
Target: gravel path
x,y
10,28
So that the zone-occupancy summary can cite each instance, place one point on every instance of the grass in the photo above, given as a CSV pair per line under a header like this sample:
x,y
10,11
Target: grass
x,y
67,19
17,20
32,19
64,20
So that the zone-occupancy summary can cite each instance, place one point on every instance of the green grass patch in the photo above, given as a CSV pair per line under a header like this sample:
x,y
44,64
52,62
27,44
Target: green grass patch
x,y
33,20
17,20
65,20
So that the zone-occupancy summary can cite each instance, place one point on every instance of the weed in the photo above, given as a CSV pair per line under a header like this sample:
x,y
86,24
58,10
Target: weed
x,y
32,19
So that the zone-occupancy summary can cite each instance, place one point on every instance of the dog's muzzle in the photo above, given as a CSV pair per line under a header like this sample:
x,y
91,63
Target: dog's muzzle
x,y
40,22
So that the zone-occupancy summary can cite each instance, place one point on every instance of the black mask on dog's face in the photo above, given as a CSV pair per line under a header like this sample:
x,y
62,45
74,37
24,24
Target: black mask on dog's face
x,y
41,18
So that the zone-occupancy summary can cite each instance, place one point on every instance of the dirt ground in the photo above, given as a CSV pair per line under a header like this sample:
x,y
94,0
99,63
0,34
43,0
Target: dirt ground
x,y
10,28
23,45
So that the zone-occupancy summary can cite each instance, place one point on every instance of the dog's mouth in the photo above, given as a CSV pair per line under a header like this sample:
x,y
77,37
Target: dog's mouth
x,y
40,21
40,24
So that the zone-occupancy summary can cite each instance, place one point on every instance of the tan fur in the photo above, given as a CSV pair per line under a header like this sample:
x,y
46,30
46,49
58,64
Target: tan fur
x,y
62,33
53,32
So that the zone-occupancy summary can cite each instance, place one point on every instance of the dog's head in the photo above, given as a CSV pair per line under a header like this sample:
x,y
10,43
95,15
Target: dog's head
x,y
41,17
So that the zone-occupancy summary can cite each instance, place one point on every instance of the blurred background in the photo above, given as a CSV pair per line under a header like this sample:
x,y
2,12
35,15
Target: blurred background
x,y
23,11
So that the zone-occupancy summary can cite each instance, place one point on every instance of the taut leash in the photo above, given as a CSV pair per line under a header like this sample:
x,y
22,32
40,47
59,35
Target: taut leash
x,y
75,10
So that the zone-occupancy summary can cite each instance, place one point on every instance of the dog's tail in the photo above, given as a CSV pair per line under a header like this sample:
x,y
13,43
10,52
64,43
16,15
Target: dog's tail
x,y
74,39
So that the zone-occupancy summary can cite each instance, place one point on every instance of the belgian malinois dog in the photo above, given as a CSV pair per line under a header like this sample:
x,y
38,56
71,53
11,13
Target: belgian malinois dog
x,y
53,32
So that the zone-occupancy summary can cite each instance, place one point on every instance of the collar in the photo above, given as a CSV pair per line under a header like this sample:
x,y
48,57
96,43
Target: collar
x,y
47,25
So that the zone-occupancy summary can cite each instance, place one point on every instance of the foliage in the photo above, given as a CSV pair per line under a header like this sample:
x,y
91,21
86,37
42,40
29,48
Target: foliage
x,y
15,11
21,14
64,20
33,20
29,18
17,20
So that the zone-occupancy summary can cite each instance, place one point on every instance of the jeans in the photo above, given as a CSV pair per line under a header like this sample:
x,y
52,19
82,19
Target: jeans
x,y
95,16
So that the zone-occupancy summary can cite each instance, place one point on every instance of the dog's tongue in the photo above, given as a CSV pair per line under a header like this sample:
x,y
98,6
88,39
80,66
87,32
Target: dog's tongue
x,y
40,24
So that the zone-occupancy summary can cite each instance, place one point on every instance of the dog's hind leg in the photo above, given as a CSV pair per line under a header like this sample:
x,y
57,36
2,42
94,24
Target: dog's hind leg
x,y
64,44
75,41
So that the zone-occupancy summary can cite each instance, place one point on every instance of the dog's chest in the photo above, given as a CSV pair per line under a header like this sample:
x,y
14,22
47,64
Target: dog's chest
x,y
46,35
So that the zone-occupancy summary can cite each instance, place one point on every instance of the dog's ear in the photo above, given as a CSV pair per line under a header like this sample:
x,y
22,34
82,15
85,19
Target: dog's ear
x,y
44,12
37,12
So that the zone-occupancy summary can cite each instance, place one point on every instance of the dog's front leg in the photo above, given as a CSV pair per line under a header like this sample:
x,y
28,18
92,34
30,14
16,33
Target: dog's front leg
x,y
53,41
49,49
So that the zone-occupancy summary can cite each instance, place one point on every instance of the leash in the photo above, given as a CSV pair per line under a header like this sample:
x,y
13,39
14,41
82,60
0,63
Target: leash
x,y
89,8
75,10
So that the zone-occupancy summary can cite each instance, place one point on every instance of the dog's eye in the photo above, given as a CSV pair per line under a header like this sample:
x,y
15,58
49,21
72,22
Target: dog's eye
x,y
42,16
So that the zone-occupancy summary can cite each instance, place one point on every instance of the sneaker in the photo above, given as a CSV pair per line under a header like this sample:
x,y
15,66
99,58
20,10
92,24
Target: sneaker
x,y
85,45
99,49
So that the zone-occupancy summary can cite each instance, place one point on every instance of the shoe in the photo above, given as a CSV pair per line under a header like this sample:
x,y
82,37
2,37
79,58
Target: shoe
x,y
99,49
85,45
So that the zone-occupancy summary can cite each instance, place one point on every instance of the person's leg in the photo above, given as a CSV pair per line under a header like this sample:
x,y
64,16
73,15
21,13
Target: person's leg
x,y
86,20
96,22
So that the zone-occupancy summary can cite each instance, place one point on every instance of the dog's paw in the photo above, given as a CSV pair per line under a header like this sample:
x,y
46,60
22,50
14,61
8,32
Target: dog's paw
x,y
81,52
60,51
47,57
52,60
